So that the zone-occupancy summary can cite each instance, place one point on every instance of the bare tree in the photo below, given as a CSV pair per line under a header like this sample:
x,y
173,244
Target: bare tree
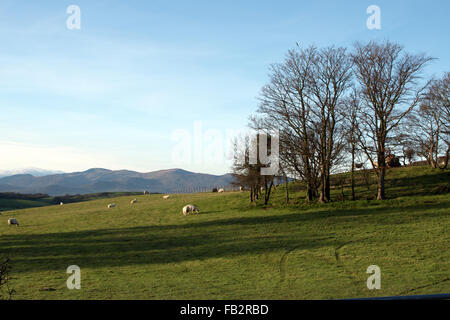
x,y
409,154
388,80
438,99
427,129
443,97
285,105
438,95
329,83
351,115
403,143
303,100
247,171
244,173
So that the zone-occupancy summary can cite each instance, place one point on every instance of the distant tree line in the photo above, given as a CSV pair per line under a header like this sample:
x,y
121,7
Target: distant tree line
x,y
23,196
336,108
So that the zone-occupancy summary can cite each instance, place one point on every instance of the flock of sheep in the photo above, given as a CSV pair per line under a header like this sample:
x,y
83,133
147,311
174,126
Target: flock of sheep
x,y
190,208
187,209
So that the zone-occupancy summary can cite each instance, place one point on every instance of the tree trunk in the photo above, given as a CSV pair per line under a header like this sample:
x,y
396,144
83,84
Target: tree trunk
x,y
432,160
446,159
325,188
287,188
309,192
268,189
352,173
322,187
382,174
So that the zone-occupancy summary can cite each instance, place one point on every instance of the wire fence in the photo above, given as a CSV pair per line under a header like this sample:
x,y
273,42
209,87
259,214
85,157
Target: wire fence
x,y
194,190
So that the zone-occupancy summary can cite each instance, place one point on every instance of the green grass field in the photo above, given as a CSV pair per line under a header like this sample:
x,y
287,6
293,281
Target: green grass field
x,y
12,203
235,250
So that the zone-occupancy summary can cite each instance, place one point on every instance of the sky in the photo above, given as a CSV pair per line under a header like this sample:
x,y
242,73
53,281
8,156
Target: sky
x,y
150,85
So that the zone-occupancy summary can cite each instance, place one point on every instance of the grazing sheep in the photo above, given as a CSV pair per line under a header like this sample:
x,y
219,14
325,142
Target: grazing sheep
x,y
133,201
241,188
12,221
166,197
111,205
190,208
61,204
221,190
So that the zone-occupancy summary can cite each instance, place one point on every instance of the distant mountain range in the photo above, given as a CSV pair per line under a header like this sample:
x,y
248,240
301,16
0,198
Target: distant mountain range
x,y
37,172
103,180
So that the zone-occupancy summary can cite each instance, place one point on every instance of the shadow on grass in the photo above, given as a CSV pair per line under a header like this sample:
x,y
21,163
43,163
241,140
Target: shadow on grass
x,y
423,185
179,243
400,182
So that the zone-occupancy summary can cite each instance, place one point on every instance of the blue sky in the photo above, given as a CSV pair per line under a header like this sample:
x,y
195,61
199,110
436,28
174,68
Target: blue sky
x,y
113,93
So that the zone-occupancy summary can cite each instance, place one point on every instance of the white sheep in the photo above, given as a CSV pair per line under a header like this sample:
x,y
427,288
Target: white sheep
x,y
190,208
12,221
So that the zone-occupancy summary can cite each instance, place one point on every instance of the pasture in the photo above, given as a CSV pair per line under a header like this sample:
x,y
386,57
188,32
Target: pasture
x,y
236,250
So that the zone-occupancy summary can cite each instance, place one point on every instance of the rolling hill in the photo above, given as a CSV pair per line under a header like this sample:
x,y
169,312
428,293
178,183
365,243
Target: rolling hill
x,y
37,172
103,180
237,250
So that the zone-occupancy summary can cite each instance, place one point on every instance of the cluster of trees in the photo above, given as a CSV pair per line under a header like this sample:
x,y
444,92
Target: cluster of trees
x,y
333,107
247,166
427,129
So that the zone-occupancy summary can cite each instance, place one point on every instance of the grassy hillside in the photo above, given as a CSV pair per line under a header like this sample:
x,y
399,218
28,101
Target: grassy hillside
x,y
235,250
17,201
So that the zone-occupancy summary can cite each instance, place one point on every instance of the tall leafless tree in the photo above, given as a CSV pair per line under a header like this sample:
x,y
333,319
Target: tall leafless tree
x,y
286,106
328,85
425,131
427,128
389,90
302,100
437,101
351,115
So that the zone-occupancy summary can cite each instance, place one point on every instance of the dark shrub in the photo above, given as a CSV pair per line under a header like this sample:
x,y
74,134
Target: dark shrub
x,y
392,161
